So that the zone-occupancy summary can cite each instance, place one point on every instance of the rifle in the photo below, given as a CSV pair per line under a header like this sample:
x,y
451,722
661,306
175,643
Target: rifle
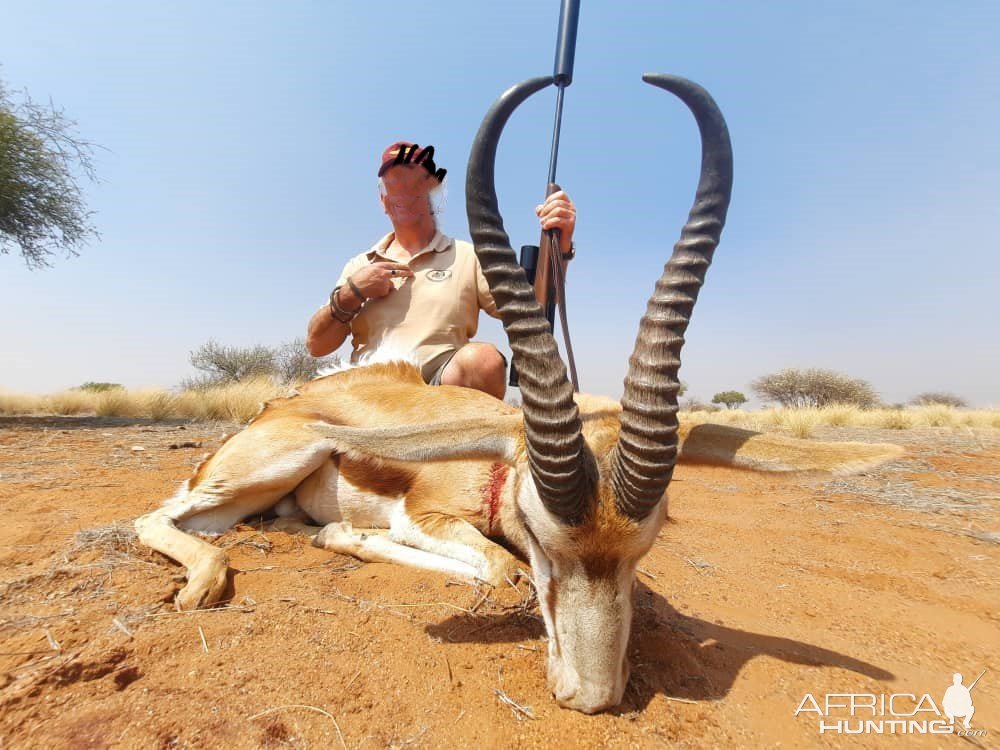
x,y
546,272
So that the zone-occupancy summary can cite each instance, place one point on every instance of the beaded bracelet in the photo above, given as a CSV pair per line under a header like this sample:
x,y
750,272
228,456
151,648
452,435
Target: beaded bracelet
x,y
335,308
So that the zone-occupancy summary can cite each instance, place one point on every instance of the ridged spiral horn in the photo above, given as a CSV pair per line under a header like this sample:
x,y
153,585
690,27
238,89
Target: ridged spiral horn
x,y
555,446
642,461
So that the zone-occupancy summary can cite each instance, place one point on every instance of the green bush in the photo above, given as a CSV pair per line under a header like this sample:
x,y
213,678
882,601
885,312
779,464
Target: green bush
x,y
92,387
732,399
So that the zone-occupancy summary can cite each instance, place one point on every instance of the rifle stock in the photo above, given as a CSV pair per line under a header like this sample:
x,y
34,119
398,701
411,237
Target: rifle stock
x,y
544,285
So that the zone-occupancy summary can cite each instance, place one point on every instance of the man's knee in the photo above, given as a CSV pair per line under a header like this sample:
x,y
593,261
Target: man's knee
x,y
477,365
474,360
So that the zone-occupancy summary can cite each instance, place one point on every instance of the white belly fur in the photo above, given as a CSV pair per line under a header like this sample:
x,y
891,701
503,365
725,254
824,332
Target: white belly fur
x,y
327,497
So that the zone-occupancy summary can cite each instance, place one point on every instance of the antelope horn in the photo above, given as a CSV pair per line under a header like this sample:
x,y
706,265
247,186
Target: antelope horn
x,y
642,462
555,446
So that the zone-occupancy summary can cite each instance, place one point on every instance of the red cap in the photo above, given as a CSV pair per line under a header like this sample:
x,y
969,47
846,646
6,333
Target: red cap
x,y
404,152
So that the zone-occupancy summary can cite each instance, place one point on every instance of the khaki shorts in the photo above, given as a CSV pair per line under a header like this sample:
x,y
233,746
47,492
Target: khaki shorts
x,y
436,377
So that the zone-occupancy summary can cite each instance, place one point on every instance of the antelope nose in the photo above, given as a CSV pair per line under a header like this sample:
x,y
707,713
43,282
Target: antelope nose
x,y
589,698
588,701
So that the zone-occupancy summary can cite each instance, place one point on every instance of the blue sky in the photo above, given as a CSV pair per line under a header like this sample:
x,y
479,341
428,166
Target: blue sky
x,y
243,138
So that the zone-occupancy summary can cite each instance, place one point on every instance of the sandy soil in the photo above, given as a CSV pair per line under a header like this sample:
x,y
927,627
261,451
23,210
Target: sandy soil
x,y
762,589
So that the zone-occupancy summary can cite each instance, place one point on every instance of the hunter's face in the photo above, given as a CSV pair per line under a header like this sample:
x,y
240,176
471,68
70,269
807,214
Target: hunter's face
x,y
406,194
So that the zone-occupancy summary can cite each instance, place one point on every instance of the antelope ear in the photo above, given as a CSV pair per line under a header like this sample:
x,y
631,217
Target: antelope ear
x,y
498,438
743,449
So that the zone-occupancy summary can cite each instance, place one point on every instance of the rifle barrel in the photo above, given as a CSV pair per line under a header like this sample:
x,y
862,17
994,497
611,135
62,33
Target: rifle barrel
x,y
977,680
554,153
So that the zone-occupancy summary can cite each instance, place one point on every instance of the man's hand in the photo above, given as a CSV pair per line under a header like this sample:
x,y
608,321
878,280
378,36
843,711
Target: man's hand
x,y
558,212
375,280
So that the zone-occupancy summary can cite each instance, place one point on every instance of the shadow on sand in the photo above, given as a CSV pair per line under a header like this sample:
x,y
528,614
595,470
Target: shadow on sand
x,y
671,653
84,423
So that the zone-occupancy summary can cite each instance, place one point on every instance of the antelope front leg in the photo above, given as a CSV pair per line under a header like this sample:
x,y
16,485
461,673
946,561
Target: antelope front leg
x,y
442,544
371,545
457,538
206,564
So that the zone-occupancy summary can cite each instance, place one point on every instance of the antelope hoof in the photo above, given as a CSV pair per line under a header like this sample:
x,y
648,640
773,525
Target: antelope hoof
x,y
206,584
502,568
339,537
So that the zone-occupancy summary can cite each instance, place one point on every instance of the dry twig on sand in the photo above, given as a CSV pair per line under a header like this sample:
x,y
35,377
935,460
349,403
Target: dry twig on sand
x,y
330,716
521,712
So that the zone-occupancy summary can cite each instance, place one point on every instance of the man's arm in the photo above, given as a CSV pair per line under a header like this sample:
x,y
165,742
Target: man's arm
x,y
325,333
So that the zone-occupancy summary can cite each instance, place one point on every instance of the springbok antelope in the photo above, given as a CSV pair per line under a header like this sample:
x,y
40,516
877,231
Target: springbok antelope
x,y
576,484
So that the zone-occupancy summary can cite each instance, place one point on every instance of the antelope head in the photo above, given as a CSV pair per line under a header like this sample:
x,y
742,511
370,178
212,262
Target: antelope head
x,y
596,499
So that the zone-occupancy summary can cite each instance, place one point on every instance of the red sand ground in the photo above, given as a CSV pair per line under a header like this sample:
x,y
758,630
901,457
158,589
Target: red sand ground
x,y
762,589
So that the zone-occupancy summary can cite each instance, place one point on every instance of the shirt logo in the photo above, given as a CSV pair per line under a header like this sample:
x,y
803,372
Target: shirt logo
x,y
438,274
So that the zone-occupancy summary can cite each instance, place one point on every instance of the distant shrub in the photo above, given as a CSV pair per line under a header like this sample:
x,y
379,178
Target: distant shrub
x,y
942,398
221,365
92,387
815,388
693,404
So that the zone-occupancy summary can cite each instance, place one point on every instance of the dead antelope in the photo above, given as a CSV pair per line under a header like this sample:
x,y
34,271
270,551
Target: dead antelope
x,y
575,484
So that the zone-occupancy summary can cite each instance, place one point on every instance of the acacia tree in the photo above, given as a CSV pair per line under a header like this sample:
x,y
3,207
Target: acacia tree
x,y
42,209
731,399
815,388
220,364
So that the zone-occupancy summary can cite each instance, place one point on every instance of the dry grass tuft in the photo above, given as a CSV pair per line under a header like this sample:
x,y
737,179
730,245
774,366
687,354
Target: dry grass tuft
x,y
16,404
800,422
893,419
837,415
238,402
157,405
118,539
68,403
116,402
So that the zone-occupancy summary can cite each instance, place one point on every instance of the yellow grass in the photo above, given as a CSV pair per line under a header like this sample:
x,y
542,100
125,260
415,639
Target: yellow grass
x,y
116,402
837,415
71,402
239,402
16,403
801,422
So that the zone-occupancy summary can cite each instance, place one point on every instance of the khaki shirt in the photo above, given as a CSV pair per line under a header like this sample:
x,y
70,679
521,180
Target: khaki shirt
x,y
432,314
